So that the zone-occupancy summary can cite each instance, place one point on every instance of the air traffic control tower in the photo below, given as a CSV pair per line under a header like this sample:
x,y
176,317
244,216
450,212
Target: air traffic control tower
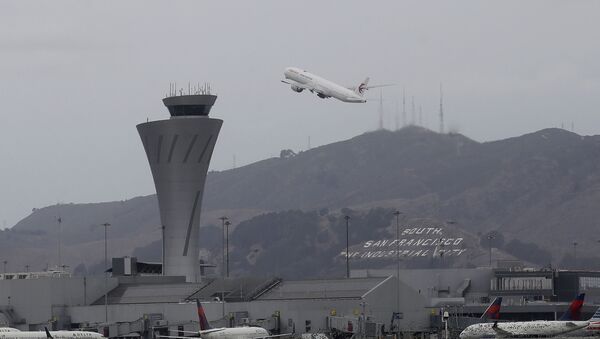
x,y
179,151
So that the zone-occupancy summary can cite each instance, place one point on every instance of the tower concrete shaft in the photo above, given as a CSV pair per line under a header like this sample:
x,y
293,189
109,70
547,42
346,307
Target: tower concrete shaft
x,y
179,151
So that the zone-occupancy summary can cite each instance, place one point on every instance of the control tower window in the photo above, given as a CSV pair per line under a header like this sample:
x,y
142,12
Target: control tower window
x,y
182,110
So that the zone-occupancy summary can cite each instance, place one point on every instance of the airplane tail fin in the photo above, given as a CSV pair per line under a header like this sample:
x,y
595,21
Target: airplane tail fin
x,y
493,311
596,316
574,310
362,87
204,325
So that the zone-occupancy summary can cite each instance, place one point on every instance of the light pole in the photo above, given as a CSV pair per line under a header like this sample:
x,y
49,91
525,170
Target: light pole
x,y
347,248
162,250
227,224
223,219
575,253
5,262
490,236
59,221
106,225
397,214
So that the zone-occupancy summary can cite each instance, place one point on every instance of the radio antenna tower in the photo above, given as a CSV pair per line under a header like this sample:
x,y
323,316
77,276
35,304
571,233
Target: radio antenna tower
x,y
441,110
403,107
413,117
380,109
397,116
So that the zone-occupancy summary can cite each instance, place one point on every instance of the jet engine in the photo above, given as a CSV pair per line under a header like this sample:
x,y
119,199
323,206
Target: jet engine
x,y
297,89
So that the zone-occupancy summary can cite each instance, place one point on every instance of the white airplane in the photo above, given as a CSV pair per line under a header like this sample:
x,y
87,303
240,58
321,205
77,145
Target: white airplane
x,y
13,333
207,332
300,80
540,328
592,330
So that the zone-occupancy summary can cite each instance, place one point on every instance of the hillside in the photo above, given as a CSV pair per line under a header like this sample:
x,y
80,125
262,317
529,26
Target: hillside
x,y
539,188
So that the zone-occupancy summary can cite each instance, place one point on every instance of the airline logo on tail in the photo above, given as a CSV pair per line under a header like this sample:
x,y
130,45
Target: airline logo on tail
x,y
493,311
204,325
362,87
574,310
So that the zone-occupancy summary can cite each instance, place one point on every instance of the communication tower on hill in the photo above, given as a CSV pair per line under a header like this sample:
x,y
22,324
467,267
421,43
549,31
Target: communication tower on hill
x,y
441,110
404,108
380,109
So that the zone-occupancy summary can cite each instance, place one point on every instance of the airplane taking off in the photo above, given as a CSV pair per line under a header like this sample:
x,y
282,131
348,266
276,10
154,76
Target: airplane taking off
x,y
207,332
300,80
540,328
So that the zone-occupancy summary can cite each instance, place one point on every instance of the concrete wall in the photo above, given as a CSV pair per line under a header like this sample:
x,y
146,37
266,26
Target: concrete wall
x,y
38,300
174,312
433,283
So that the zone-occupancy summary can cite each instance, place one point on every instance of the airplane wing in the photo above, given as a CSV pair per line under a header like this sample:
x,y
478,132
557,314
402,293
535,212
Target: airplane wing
x,y
500,332
191,332
197,334
573,325
384,85
275,336
212,330
297,84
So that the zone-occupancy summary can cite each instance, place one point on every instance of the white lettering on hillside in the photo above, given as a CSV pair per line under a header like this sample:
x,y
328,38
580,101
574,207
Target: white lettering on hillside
x,y
413,242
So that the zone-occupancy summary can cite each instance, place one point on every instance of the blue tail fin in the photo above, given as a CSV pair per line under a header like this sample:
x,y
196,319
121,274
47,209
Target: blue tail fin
x,y
493,311
574,310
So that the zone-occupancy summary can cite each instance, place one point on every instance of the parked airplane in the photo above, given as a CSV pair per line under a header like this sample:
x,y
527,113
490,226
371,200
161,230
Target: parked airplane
x,y
16,334
593,329
540,328
207,332
300,80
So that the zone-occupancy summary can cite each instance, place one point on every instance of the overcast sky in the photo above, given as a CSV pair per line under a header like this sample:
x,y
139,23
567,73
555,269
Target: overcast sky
x,y
77,76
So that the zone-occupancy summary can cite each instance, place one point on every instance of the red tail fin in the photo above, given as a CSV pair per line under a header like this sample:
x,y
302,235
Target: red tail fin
x,y
574,310
204,325
493,311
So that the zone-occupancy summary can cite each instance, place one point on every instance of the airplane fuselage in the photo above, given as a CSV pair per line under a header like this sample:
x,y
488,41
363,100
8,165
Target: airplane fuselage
x,y
55,335
236,333
323,87
538,329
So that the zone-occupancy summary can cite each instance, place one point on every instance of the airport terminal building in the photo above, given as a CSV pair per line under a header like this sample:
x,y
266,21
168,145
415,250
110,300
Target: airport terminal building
x,y
145,299
372,303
